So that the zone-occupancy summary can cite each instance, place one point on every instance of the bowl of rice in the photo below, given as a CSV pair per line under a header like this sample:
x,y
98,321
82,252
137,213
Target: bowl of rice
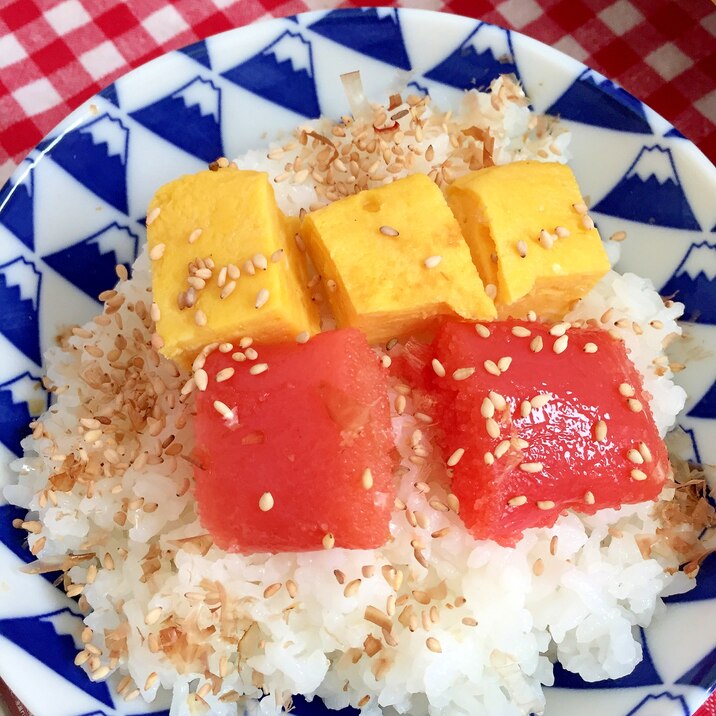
x,y
115,599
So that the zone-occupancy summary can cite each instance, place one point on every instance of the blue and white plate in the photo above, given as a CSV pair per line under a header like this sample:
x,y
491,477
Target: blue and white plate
x,y
76,207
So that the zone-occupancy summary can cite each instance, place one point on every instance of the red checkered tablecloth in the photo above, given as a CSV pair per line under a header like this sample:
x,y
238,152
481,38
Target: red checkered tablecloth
x,y
56,54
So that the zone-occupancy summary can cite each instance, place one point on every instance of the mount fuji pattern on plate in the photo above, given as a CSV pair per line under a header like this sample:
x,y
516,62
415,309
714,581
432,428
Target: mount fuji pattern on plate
x,y
112,154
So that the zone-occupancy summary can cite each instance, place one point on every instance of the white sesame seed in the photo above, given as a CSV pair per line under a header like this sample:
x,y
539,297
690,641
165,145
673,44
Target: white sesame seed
x,y
258,368
157,252
233,271
600,431
501,448
561,231
626,390
539,401
493,429
432,261
462,373
251,353
521,331
389,231
266,502
223,409
504,363
386,361
438,368
299,242
517,501
618,236
545,504
590,347
634,405
226,347
580,207
249,268
491,367
559,329
200,318
328,541
195,235
587,222
259,260
152,616
201,379
521,247
589,497
455,458
633,455
302,337
154,312
645,452
153,214
276,256
196,282
531,467
497,399
433,644
224,374
545,239
400,403
491,290
531,316
638,475
488,458
482,331
262,297
227,290
525,408
487,409
560,345
238,357
246,341
366,479
536,344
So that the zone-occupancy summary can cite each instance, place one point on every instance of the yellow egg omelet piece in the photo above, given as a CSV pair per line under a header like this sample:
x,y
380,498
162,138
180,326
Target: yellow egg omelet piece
x,y
225,264
394,260
526,236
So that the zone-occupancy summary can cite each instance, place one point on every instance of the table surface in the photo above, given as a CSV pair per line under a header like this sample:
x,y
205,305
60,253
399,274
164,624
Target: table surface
x,y
55,55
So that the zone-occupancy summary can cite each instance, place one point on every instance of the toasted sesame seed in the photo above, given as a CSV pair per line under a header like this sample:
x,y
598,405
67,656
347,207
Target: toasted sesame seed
x,y
638,475
391,344
258,368
590,347
262,297
272,589
157,252
366,479
561,231
201,379
223,409
328,541
634,405
600,431
482,331
521,331
521,247
517,501
433,644
493,429
560,345
389,231
432,261
618,236
545,504
379,618
536,344
266,502
224,374
438,368
626,390
491,367
462,373
455,458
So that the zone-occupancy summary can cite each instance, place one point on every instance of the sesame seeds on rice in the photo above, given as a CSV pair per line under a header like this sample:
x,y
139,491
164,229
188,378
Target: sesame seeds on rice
x,y
107,478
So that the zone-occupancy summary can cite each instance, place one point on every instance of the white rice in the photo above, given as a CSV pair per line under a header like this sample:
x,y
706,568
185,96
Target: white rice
x,y
582,609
